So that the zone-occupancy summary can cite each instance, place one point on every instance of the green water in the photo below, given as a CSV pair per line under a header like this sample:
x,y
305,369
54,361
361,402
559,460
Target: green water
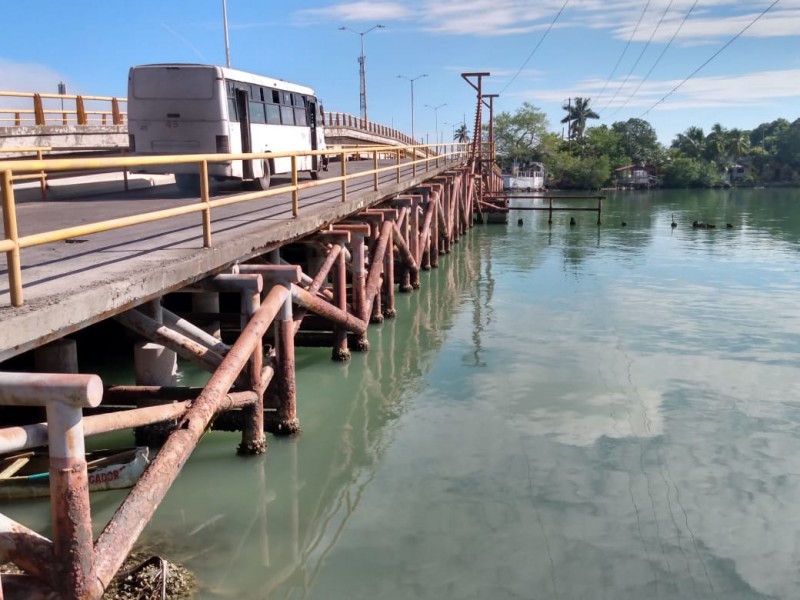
x,y
561,412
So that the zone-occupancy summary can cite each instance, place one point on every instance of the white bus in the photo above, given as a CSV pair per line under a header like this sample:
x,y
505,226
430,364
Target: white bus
x,y
203,109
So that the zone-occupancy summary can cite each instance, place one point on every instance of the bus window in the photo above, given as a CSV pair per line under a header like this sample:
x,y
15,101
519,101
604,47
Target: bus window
x,y
257,112
287,115
276,97
273,114
232,110
287,99
300,117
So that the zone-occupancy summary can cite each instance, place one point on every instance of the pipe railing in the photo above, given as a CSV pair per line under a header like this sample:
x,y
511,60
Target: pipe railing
x,y
43,108
345,120
418,158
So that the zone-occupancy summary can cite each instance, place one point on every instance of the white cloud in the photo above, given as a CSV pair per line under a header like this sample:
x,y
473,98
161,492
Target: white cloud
x,y
756,88
710,19
356,12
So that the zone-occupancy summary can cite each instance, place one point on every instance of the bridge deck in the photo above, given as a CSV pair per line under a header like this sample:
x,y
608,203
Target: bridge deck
x,y
68,285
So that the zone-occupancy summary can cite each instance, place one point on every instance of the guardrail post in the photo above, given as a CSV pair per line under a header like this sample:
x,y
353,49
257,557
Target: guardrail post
x,y
81,110
38,110
344,175
413,161
205,199
10,227
397,155
17,119
295,191
375,168
115,112
42,185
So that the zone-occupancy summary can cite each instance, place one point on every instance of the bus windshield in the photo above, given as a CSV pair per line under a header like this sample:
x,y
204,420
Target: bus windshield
x,y
173,83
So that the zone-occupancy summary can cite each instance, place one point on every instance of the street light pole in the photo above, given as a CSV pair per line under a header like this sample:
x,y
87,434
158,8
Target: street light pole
x,y
225,25
412,80
362,68
436,117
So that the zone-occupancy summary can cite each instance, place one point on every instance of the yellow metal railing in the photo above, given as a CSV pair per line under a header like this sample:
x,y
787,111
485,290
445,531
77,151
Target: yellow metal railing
x,y
433,156
340,119
62,109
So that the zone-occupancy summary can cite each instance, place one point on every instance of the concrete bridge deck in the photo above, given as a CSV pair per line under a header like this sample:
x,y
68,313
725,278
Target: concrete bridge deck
x,y
71,284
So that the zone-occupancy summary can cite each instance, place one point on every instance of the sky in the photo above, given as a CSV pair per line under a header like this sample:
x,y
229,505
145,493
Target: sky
x,y
674,63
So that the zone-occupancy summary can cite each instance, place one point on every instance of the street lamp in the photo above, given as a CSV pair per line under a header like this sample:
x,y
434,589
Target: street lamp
x,y
436,116
412,80
362,68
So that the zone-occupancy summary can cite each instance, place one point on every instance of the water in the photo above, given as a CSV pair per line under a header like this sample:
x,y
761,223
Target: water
x,y
599,413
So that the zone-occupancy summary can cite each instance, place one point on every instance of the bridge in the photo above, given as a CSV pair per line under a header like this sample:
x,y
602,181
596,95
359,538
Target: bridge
x,y
69,122
304,262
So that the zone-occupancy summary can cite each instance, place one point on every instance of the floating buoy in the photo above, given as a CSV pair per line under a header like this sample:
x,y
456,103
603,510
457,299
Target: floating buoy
x,y
624,224
673,224
519,221
572,221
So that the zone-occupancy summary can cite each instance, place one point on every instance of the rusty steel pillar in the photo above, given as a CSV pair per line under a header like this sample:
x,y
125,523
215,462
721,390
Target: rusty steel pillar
x,y
340,349
284,421
358,234
389,309
64,396
253,439
281,398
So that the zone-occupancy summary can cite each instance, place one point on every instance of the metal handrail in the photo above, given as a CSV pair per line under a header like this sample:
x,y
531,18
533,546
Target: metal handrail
x,y
81,114
11,170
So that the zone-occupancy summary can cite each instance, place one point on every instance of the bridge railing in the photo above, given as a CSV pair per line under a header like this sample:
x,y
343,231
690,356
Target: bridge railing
x,y
340,119
407,163
32,109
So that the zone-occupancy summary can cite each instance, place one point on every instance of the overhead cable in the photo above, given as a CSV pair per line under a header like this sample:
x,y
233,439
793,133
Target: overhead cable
x,y
658,60
641,54
530,56
624,50
712,57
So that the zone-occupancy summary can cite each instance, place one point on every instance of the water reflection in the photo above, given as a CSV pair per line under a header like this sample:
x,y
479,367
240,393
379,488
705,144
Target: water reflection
x,y
631,431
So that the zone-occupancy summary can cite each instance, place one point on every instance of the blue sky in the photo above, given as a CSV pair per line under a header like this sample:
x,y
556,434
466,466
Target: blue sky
x,y
601,49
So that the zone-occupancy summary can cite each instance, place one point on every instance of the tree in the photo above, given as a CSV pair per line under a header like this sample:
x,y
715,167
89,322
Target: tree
x,y
577,115
461,134
738,143
691,143
716,145
518,136
639,140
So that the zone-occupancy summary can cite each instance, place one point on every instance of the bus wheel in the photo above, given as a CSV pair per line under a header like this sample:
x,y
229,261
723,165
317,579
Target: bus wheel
x,y
262,183
188,183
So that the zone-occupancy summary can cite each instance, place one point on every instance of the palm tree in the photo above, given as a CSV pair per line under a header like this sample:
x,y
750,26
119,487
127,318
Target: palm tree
x,y
461,134
692,142
577,115
716,145
738,143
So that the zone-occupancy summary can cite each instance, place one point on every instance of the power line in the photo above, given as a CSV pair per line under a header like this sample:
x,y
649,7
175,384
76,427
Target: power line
x,y
641,54
712,57
563,6
658,60
624,50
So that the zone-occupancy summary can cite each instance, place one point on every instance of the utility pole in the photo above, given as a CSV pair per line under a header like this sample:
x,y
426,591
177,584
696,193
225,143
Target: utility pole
x,y
362,68
569,124
225,25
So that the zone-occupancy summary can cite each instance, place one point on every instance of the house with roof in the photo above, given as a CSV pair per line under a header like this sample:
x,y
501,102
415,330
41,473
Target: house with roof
x,y
635,177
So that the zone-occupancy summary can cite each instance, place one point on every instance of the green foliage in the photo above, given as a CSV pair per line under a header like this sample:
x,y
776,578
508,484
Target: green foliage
x,y
582,173
518,136
639,140
684,172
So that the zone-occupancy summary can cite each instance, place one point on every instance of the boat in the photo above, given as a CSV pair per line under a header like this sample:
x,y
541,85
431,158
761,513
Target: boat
x,y
27,475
